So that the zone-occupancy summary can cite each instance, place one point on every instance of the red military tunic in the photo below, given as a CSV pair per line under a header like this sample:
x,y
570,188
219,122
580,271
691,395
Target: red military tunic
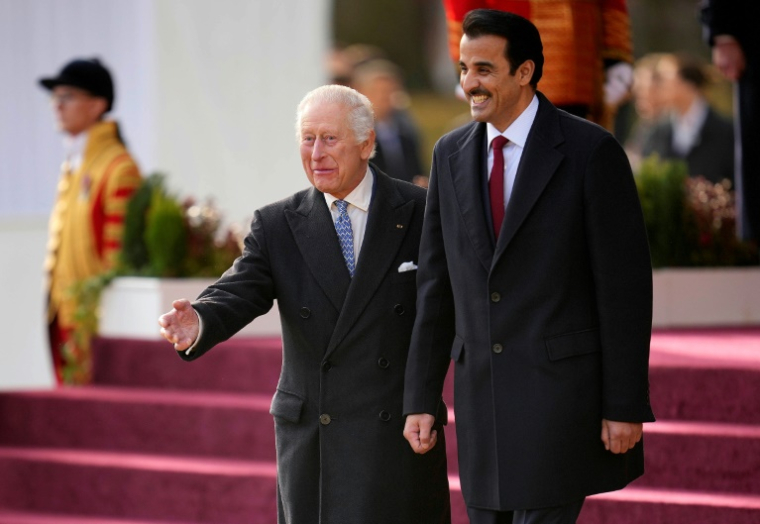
x,y
578,36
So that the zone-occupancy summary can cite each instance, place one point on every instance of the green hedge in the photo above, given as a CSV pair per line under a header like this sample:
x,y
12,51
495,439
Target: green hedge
x,y
689,221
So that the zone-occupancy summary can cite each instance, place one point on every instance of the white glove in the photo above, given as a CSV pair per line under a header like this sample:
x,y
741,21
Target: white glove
x,y
619,79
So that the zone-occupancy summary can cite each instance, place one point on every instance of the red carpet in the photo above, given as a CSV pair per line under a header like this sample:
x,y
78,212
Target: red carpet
x,y
158,440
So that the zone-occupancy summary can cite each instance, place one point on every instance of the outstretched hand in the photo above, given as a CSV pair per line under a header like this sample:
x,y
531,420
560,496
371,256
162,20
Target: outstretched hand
x,y
180,325
419,432
619,437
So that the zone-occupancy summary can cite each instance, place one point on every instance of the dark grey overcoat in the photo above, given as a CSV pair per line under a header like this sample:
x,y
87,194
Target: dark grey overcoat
x,y
549,328
341,454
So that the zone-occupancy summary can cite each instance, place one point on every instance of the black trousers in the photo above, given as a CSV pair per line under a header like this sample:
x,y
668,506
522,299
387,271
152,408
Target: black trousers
x,y
567,514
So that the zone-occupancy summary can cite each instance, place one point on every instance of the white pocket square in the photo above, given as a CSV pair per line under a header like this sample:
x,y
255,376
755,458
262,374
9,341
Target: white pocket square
x,y
407,266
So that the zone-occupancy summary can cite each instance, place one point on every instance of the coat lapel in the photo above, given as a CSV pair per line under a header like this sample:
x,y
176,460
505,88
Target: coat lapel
x,y
467,166
539,162
387,224
314,232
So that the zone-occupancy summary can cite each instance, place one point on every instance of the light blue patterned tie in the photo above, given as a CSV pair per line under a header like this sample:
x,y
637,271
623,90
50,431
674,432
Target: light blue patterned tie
x,y
345,234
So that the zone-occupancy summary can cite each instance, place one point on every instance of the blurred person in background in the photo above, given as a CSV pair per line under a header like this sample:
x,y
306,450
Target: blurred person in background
x,y
691,130
587,49
647,106
398,139
343,60
731,30
98,176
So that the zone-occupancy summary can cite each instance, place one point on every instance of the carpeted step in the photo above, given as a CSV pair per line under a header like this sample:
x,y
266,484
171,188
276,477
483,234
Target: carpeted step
x,y
26,517
649,506
660,506
706,375
103,485
245,365
693,375
140,420
698,375
702,456
137,486
716,394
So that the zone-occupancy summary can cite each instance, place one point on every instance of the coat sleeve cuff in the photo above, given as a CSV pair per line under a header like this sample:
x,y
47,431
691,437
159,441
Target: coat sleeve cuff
x,y
641,413
191,353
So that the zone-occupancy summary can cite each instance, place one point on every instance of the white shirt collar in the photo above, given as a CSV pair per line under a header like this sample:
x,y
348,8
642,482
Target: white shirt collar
x,y
695,116
687,128
517,132
361,195
74,147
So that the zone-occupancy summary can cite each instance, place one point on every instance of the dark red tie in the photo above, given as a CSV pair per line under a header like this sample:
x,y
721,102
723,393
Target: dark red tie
x,y
496,184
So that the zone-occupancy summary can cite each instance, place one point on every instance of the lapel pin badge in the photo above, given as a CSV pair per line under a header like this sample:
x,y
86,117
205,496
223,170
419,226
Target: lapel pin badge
x,y
399,226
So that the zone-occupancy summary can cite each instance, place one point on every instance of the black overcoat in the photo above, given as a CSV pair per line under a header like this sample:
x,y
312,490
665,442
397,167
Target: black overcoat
x,y
549,328
341,454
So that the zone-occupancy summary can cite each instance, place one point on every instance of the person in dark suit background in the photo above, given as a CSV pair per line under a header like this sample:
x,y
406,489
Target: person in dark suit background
x,y
731,30
537,282
692,130
397,136
340,260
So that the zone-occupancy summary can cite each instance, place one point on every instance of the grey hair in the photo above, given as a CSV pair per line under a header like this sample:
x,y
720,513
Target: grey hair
x,y
361,116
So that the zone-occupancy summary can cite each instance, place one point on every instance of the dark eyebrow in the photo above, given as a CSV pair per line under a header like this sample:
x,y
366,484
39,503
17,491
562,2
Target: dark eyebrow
x,y
482,63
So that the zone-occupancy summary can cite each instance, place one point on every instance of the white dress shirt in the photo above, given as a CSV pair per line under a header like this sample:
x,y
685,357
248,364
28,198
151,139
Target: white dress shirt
x,y
687,127
517,134
358,209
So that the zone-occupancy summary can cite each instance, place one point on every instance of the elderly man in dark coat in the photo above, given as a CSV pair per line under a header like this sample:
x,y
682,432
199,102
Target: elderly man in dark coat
x,y
340,260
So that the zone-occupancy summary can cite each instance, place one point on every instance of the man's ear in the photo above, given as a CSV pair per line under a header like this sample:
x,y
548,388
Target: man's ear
x,y
98,108
525,72
368,146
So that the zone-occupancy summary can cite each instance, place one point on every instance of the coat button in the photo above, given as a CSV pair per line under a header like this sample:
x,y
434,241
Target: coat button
x,y
305,312
383,362
497,348
326,366
399,309
495,297
325,419
384,416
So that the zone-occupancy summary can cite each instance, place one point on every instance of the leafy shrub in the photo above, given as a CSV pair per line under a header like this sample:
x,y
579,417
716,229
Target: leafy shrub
x,y
689,221
163,237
